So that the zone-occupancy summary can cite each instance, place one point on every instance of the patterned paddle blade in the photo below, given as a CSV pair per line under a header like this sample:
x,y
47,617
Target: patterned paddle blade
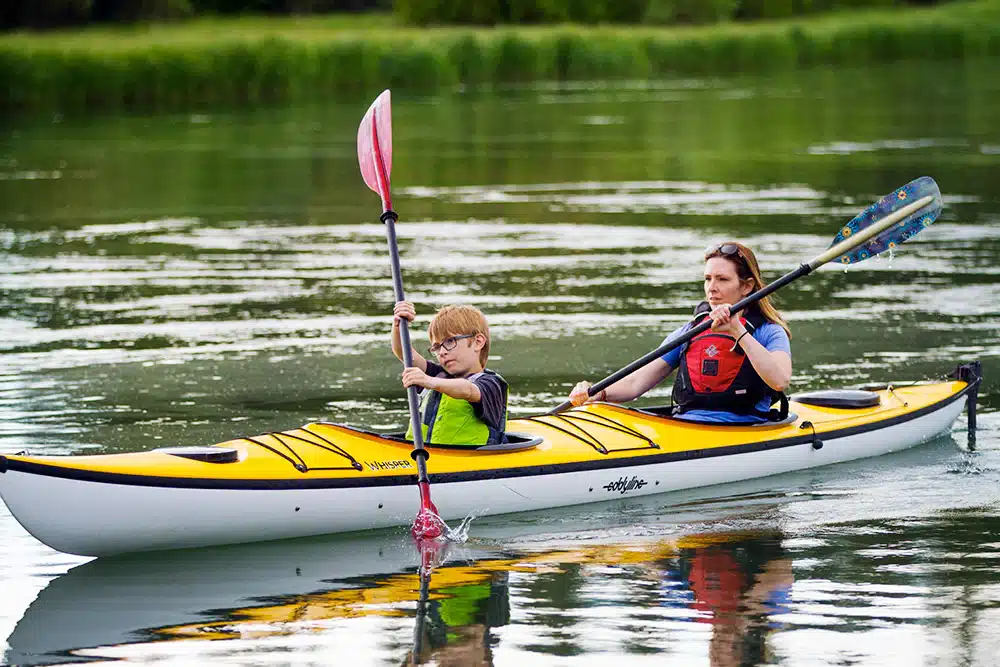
x,y
375,145
898,233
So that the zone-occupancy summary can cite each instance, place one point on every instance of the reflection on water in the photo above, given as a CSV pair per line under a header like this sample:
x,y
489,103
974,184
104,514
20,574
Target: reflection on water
x,y
863,592
189,279
645,596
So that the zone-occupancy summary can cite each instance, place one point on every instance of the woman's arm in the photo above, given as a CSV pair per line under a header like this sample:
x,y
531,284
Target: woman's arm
x,y
775,368
627,389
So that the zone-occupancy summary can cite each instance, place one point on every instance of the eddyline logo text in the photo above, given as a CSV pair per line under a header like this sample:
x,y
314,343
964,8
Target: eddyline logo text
x,y
623,485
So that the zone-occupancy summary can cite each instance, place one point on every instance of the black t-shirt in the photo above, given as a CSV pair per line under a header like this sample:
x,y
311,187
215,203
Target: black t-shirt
x,y
491,407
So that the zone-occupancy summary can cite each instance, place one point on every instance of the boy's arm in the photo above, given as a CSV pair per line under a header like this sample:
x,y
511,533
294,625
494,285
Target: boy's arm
x,y
454,387
492,406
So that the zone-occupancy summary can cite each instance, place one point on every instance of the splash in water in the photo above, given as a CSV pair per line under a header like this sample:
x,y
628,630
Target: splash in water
x,y
430,526
461,533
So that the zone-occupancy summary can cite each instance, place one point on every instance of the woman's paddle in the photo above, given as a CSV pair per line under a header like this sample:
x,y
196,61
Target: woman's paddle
x,y
882,226
375,159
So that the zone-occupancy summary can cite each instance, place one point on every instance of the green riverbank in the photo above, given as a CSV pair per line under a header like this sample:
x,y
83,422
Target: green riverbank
x,y
250,61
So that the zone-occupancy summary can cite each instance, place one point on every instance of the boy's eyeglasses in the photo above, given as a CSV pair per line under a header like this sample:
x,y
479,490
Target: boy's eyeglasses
x,y
448,344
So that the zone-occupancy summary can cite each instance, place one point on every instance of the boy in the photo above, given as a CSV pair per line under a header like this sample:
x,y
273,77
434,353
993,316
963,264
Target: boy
x,y
462,403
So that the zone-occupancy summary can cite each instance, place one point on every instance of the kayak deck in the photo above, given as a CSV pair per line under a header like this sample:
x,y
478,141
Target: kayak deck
x,y
594,432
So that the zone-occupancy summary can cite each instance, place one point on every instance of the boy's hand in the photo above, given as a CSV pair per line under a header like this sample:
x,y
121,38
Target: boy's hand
x,y
414,377
403,310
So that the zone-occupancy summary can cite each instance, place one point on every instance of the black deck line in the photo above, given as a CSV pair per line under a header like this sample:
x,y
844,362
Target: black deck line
x,y
14,465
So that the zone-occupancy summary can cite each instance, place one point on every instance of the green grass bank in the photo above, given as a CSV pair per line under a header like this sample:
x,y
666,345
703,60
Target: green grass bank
x,y
251,61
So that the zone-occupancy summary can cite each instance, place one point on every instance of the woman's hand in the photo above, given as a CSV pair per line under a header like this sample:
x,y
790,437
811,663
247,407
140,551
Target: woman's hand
x,y
724,323
579,395
403,310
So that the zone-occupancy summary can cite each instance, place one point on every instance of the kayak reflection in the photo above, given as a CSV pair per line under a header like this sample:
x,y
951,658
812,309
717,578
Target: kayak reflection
x,y
457,601
167,595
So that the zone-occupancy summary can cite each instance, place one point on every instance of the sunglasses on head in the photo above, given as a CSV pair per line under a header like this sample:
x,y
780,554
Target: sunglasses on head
x,y
724,249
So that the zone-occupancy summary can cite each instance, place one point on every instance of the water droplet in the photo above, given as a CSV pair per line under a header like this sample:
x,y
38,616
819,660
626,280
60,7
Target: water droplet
x,y
461,533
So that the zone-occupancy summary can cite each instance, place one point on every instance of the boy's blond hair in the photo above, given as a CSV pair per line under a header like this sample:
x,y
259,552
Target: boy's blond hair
x,y
456,320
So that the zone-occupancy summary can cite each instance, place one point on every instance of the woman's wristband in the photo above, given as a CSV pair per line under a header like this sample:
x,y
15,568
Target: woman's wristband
x,y
737,343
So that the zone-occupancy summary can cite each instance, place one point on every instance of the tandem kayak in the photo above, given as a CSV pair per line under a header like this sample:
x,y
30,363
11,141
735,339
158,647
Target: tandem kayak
x,y
328,478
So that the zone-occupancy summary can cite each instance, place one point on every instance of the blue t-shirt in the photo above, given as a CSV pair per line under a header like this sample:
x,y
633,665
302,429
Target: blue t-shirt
x,y
770,335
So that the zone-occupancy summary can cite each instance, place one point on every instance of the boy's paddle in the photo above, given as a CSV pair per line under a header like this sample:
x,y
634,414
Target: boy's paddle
x,y
882,226
375,159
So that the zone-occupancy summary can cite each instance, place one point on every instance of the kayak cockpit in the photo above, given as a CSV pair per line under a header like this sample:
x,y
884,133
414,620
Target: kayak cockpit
x,y
515,442
207,454
667,412
843,399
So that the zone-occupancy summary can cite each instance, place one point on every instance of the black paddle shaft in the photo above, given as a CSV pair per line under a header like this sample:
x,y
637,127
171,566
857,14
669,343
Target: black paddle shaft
x,y
688,335
419,454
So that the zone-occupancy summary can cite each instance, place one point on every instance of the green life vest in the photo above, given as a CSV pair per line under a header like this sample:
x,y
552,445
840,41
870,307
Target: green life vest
x,y
452,421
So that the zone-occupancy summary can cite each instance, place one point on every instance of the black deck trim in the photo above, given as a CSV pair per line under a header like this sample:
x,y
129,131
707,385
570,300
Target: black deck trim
x,y
15,465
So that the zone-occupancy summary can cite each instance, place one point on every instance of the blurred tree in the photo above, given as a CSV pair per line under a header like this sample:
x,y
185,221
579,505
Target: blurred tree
x,y
690,11
626,11
43,13
54,13
139,10
767,9
285,6
480,12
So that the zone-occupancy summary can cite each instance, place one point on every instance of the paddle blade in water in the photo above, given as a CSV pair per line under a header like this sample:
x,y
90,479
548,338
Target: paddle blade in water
x,y
899,232
428,523
375,146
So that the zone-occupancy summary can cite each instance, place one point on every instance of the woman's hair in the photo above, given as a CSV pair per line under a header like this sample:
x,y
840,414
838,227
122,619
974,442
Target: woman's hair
x,y
456,320
747,269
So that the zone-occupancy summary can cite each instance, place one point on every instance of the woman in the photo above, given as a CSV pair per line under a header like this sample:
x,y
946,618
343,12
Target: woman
x,y
732,372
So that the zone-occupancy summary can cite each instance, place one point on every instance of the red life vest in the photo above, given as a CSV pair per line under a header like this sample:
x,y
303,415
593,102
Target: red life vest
x,y
715,376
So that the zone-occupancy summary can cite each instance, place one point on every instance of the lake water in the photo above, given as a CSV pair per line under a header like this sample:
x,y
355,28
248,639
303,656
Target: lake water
x,y
185,279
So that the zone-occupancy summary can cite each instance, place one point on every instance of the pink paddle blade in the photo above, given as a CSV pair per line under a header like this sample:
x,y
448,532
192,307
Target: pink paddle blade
x,y
427,524
375,147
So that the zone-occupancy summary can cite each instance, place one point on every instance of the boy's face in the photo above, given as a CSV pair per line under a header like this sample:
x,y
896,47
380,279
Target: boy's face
x,y
463,357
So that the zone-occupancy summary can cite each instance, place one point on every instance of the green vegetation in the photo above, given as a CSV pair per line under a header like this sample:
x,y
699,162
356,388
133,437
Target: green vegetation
x,y
42,14
491,12
256,60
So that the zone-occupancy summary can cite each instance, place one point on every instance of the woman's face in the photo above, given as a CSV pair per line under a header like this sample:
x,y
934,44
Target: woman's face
x,y
722,283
